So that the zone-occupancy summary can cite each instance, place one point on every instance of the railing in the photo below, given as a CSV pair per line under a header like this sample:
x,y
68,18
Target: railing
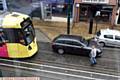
x,y
96,1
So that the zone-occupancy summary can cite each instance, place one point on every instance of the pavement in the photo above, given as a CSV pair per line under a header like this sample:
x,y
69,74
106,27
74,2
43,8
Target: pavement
x,y
51,29
42,37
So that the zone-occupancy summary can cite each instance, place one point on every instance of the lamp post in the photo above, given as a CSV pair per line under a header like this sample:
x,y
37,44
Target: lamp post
x,y
68,18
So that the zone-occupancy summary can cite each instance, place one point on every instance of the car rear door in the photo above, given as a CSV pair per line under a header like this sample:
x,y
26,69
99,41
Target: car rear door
x,y
59,44
68,46
80,48
64,44
77,47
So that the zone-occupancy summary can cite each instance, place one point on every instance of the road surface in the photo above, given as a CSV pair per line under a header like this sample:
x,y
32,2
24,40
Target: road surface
x,y
51,66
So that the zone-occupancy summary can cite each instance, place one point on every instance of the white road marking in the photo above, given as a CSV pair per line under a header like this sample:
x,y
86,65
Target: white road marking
x,y
53,72
41,65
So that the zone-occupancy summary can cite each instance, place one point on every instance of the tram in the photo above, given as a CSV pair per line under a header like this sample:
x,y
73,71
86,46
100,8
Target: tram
x,y
17,36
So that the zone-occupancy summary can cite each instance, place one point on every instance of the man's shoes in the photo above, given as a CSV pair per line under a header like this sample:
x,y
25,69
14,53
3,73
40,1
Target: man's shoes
x,y
92,64
95,63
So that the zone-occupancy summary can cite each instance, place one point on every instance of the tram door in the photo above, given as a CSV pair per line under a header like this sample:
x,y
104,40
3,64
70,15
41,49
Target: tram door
x,y
3,46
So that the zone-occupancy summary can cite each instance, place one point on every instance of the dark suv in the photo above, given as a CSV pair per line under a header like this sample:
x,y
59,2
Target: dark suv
x,y
73,44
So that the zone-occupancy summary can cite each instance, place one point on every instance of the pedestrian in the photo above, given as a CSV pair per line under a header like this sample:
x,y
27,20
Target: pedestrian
x,y
93,55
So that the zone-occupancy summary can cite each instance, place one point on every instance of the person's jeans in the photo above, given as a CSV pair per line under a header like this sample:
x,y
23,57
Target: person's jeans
x,y
93,60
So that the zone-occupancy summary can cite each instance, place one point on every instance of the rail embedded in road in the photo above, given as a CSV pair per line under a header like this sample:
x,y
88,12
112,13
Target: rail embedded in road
x,y
56,70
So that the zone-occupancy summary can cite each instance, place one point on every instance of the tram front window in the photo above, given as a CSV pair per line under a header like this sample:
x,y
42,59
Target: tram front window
x,y
29,34
28,30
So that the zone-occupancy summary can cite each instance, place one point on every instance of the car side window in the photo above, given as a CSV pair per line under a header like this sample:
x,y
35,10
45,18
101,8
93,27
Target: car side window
x,y
59,41
108,36
68,42
117,37
73,43
76,44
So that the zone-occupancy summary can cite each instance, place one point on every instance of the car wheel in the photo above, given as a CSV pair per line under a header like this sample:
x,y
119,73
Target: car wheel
x,y
60,51
102,44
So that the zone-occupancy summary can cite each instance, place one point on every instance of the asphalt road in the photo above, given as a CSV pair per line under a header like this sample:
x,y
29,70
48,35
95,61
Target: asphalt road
x,y
51,66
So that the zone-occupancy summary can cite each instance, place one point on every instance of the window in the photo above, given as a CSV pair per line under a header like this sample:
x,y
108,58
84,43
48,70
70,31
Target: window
x,y
68,42
17,36
28,30
2,37
59,41
117,37
8,33
76,43
1,6
108,36
73,43
21,38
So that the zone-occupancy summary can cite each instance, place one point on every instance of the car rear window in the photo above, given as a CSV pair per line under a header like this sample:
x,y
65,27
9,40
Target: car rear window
x,y
117,37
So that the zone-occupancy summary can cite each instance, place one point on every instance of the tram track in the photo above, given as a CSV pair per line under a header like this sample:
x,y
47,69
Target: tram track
x,y
87,66
98,68
54,69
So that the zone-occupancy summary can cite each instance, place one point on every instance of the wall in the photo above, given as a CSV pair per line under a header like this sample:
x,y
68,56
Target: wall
x,y
111,2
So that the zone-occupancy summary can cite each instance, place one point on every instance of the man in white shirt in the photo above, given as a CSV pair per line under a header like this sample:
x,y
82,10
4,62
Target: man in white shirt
x,y
93,55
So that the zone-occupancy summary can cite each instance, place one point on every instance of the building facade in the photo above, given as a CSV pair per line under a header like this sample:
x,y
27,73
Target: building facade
x,y
87,9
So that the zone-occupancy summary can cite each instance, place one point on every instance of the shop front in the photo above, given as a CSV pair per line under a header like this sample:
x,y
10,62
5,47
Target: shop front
x,y
100,11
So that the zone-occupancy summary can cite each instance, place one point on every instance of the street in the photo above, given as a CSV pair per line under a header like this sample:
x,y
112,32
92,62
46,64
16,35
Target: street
x,y
51,66
48,65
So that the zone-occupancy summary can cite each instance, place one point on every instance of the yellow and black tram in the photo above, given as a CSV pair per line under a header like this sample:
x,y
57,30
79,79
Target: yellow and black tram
x,y
17,36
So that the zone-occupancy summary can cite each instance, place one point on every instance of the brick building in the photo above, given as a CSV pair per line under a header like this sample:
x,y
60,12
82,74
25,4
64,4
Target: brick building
x,y
85,9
